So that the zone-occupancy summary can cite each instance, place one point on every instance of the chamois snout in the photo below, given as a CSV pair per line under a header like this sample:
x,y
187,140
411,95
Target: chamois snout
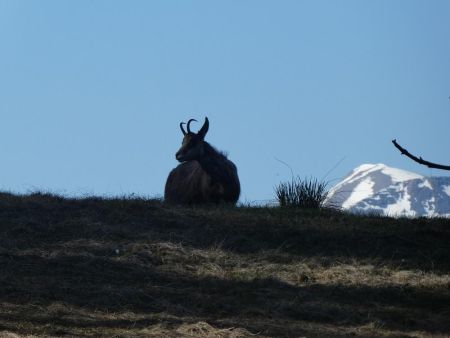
x,y
182,155
179,156
189,152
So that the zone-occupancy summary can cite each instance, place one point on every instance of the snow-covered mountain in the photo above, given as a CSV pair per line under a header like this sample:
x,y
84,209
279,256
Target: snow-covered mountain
x,y
377,188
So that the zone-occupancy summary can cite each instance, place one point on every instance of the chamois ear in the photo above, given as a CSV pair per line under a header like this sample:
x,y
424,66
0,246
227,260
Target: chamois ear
x,y
202,132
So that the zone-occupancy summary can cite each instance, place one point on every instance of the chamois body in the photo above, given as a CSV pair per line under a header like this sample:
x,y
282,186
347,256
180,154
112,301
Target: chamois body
x,y
204,175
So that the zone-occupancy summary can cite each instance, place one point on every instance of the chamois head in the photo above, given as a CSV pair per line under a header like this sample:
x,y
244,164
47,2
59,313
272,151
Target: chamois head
x,y
192,147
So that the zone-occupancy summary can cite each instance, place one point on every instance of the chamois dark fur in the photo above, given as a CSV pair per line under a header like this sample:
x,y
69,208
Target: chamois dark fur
x,y
205,175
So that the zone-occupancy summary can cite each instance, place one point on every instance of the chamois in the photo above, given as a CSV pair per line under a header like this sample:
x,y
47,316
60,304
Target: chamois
x,y
204,174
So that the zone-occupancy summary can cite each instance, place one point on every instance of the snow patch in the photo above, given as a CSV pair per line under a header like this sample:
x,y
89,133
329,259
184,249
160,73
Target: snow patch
x,y
429,207
362,170
402,207
446,189
356,174
425,184
362,191
398,175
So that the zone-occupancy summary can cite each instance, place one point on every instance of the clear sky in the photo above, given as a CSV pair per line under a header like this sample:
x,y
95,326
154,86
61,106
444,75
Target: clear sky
x,y
92,92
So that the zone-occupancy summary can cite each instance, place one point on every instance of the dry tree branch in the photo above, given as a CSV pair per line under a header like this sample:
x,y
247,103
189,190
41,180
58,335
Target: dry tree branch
x,y
419,159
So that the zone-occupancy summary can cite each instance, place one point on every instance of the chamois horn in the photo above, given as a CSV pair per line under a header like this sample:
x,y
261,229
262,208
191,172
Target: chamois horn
x,y
189,124
182,129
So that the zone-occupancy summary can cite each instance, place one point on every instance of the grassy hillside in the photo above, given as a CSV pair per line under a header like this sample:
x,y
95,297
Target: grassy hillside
x,y
134,267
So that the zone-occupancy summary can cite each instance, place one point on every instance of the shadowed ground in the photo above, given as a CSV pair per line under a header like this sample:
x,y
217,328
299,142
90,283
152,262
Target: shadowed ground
x,y
134,267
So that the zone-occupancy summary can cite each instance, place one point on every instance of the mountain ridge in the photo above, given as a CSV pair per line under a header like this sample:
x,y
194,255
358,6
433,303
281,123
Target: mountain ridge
x,y
378,188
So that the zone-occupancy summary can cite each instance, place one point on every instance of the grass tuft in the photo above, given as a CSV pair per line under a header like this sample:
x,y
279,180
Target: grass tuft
x,y
302,193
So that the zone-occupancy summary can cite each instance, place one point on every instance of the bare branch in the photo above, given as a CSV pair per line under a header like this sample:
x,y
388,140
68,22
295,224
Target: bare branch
x,y
419,159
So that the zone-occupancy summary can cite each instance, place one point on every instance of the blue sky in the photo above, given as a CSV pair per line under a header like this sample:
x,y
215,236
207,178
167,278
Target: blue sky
x,y
92,92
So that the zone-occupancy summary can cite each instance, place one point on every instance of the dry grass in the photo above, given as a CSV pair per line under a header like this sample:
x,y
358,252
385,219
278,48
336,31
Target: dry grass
x,y
137,268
